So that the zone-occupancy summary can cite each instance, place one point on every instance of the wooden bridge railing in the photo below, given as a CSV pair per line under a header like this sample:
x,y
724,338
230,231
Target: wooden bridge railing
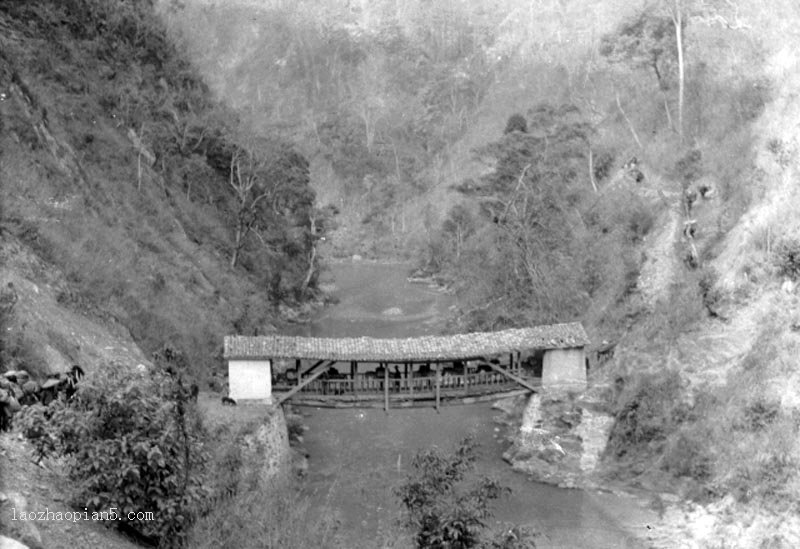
x,y
375,385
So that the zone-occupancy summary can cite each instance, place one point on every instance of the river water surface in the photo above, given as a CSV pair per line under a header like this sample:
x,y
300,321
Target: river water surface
x,y
357,456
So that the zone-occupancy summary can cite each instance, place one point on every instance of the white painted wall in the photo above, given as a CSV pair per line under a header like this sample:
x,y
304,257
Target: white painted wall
x,y
250,380
564,370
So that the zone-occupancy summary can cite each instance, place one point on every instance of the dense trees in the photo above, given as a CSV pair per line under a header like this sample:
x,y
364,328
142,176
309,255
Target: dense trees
x,y
534,225
376,101
171,186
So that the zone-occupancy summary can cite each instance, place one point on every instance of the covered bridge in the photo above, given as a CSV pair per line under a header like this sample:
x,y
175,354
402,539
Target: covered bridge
x,y
363,369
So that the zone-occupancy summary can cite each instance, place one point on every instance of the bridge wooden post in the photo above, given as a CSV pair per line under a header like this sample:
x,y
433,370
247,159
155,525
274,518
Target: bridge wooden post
x,y
297,366
438,385
385,387
410,379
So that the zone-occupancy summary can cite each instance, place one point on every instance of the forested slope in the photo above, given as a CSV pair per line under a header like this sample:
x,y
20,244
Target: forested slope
x,y
140,201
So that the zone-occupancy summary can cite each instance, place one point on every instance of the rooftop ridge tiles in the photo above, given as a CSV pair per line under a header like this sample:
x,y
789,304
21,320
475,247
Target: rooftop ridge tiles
x,y
429,347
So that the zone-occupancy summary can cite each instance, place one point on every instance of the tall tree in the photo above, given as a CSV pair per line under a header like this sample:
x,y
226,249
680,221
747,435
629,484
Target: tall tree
x,y
529,200
654,42
675,8
249,191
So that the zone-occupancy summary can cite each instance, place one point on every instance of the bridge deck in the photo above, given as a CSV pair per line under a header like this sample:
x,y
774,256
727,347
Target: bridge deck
x,y
366,390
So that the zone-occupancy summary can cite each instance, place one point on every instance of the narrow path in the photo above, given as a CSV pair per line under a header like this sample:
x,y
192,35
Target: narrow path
x,y
658,269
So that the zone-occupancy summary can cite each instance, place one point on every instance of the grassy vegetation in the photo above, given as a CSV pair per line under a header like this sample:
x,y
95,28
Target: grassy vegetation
x,y
266,517
735,438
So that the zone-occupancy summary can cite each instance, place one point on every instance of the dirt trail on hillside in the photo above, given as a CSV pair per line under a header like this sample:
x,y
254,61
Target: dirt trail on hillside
x,y
661,264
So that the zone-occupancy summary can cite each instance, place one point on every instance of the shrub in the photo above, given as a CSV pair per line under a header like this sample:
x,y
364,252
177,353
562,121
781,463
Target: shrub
x,y
687,455
516,123
603,164
295,427
711,295
133,442
759,414
447,513
787,257
646,413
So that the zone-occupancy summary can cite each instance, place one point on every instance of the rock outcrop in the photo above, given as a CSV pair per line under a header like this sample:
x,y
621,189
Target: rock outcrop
x,y
268,448
559,438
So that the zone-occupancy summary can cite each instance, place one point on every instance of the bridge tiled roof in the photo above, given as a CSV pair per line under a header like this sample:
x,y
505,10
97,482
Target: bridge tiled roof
x,y
367,349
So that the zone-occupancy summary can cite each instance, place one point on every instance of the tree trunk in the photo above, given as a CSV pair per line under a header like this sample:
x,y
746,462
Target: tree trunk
x,y
628,120
669,115
677,19
313,257
310,271
237,244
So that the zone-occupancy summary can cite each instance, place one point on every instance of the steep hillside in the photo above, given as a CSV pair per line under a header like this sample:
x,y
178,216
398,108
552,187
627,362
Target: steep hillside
x,y
710,407
537,156
118,204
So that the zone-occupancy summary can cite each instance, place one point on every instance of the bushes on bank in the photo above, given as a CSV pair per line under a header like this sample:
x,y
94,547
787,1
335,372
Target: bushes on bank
x,y
132,441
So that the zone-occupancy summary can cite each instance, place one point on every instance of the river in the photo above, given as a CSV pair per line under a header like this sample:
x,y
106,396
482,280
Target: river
x,y
357,456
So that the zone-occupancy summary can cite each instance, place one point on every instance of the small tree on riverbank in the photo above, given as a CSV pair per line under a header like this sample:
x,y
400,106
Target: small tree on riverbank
x,y
448,512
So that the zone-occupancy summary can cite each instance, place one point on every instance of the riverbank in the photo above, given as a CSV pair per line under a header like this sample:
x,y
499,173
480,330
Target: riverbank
x,y
560,440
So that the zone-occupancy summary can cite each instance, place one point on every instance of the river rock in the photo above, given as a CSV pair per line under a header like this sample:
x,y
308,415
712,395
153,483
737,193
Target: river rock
x,y
511,407
299,462
393,311
8,543
327,287
558,441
